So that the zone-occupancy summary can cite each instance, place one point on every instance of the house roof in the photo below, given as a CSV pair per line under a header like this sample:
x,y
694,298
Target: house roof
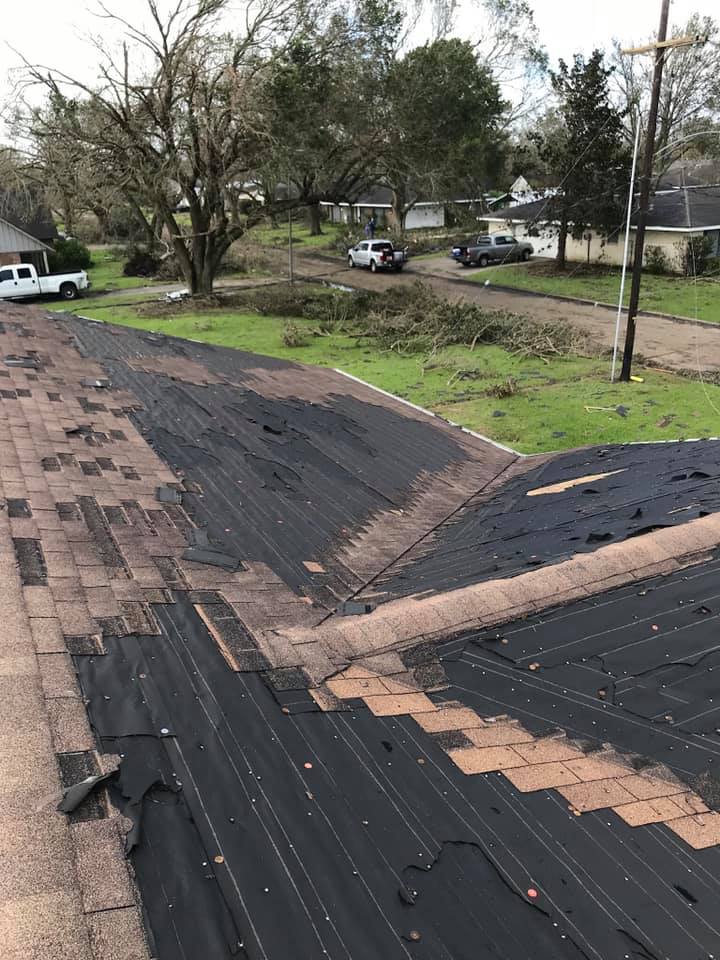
x,y
25,212
690,173
381,196
189,542
14,240
690,208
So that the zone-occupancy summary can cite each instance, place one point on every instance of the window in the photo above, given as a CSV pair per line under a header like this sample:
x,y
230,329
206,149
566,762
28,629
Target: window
x,y
364,245
382,246
6,275
484,241
714,241
24,273
504,239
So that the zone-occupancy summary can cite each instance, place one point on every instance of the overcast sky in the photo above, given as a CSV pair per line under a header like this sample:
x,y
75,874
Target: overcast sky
x,y
51,31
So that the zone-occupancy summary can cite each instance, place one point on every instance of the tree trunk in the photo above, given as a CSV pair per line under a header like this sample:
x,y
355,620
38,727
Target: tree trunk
x,y
206,278
152,230
102,215
186,264
149,226
562,243
399,212
314,219
68,213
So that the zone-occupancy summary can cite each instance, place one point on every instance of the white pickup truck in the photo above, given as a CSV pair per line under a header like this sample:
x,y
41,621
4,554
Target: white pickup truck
x,y
378,255
21,280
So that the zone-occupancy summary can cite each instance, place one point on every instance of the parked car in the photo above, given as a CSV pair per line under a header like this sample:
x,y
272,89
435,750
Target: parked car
x,y
378,255
22,280
492,248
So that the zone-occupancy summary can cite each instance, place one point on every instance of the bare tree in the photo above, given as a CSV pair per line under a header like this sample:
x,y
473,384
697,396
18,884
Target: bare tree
x,y
176,118
21,190
78,180
690,96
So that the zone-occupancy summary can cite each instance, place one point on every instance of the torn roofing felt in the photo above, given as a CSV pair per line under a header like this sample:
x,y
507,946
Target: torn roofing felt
x,y
502,533
294,799
649,649
363,835
284,480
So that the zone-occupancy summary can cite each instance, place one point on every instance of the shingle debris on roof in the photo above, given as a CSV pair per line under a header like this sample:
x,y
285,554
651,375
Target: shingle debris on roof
x,y
365,777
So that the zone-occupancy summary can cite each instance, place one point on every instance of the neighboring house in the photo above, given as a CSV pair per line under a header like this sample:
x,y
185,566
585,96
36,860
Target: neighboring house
x,y
378,203
675,215
520,192
690,173
27,231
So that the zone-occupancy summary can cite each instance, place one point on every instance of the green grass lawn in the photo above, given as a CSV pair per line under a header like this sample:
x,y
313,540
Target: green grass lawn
x,y
679,296
106,273
557,404
278,236
87,305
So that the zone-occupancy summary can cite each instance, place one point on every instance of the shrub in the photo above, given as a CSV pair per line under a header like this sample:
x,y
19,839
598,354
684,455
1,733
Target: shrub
x,y
712,267
292,335
168,268
504,389
140,263
695,253
656,260
69,255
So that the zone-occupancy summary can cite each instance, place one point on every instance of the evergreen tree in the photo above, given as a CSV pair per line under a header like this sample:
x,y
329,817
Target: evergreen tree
x,y
586,152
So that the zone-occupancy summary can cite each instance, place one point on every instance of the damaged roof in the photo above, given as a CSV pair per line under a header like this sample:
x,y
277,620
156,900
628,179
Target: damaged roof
x,y
282,646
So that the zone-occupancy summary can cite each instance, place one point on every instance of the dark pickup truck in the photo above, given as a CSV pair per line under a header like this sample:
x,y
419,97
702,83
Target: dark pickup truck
x,y
492,248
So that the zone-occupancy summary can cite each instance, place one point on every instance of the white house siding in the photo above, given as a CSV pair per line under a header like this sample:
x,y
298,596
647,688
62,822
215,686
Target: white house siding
x,y
337,213
13,240
602,251
427,215
16,246
544,241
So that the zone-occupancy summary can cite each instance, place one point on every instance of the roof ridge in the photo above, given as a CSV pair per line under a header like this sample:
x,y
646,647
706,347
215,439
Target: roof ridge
x,y
405,622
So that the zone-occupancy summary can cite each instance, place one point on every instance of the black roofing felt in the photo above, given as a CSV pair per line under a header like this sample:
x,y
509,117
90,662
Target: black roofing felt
x,y
282,480
652,647
270,836
658,485
692,207
364,852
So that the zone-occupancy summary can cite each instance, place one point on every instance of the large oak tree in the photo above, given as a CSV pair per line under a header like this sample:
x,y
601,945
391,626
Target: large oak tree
x,y
176,118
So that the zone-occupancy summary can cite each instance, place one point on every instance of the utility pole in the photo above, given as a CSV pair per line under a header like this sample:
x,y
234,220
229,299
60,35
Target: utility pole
x,y
660,46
